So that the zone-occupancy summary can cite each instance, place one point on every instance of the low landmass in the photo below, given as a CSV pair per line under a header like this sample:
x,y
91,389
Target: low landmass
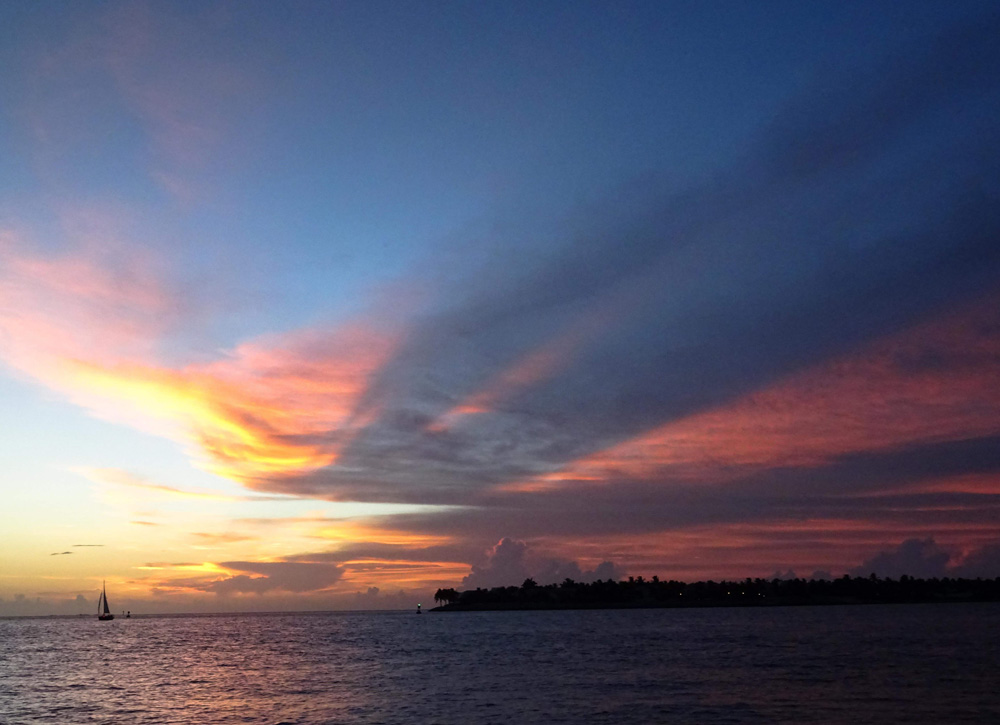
x,y
637,593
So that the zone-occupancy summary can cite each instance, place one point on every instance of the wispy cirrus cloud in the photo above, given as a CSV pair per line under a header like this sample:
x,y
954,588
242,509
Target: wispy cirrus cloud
x,y
193,101
189,106
220,538
55,306
119,477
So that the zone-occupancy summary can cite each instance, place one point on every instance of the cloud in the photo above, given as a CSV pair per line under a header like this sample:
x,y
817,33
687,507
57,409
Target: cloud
x,y
266,410
722,322
920,558
90,322
934,382
504,566
508,564
262,577
218,539
925,558
784,576
556,570
127,479
982,562
662,322
60,553
98,296
805,342
191,110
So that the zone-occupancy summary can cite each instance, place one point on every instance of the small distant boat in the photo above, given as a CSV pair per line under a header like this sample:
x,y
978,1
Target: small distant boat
x,y
102,603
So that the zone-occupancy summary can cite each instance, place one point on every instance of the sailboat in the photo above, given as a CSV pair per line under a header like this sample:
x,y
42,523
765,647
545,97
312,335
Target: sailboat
x,y
102,601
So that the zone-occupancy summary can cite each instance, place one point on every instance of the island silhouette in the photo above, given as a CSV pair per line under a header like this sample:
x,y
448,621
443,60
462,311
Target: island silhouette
x,y
637,593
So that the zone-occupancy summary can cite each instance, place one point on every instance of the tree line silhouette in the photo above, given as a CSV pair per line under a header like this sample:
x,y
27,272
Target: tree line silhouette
x,y
637,592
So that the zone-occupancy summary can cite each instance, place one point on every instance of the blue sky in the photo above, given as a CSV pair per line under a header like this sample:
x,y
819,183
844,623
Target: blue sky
x,y
313,305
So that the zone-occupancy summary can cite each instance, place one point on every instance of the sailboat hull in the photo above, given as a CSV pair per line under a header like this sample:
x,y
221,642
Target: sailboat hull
x,y
105,617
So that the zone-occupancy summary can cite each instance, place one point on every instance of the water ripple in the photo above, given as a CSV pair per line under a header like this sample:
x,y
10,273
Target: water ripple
x,y
913,664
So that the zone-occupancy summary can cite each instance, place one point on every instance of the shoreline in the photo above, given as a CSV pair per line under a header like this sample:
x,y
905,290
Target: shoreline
x,y
699,605
639,593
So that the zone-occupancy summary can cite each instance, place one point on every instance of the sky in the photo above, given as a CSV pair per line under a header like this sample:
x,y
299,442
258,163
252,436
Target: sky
x,y
316,306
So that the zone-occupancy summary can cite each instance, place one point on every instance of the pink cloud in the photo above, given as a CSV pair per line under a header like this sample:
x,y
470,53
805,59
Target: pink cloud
x,y
88,324
935,382
64,305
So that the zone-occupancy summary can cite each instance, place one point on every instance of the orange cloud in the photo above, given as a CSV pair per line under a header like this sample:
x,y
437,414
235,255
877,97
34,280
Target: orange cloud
x,y
356,531
88,327
263,411
221,539
936,382
388,573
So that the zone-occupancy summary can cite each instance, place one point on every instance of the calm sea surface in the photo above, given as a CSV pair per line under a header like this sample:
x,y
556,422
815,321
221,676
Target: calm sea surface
x,y
864,664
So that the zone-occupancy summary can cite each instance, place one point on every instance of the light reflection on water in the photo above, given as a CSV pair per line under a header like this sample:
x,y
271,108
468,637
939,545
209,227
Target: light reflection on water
x,y
875,664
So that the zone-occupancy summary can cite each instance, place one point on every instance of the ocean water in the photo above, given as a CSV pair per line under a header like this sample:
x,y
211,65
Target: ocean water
x,y
862,664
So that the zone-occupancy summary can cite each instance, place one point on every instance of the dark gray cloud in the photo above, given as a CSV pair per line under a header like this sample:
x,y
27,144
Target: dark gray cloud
x,y
510,562
270,576
504,566
870,202
921,558
877,487
982,562
360,550
924,558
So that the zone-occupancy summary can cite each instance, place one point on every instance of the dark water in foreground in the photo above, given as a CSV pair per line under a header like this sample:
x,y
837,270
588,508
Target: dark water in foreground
x,y
864,664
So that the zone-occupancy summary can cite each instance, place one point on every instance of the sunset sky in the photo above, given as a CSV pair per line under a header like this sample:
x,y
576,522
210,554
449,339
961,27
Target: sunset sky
x,y
327,305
